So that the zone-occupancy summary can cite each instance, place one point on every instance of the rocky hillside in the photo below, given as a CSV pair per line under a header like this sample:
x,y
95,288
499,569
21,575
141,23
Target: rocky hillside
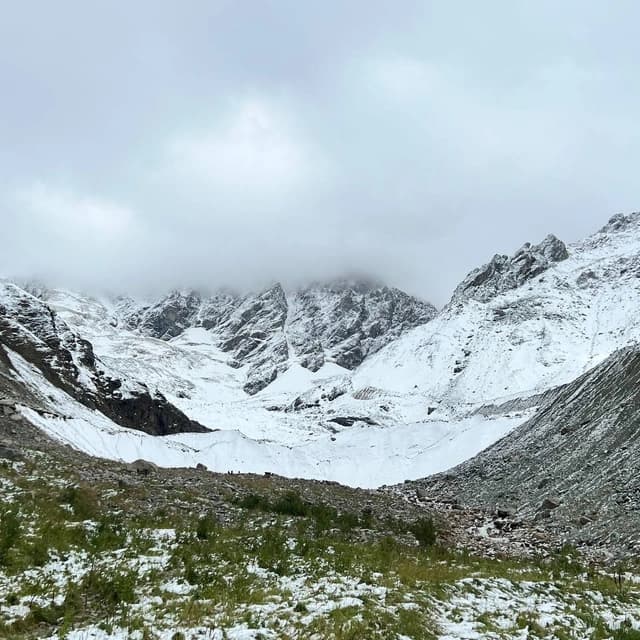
x,y
342,322
521,325
573,466
36,340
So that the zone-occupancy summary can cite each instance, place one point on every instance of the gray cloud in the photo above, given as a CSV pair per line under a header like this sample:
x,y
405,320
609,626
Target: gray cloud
x,y
213,143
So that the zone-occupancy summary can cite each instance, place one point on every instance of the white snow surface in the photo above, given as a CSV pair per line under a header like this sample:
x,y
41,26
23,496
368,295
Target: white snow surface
x,y
420,392
363,456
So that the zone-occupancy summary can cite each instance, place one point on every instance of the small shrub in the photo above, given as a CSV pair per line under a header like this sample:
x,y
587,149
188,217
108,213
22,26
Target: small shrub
x,y
425,532
254,502
387,549
347,521
110,590
82,500
9,534
72,602
206,527
107,536
291,504
272,551
366,518
38,551
46,615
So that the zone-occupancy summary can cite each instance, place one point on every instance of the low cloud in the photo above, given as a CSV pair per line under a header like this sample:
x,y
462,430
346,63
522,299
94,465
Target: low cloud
x,y
232,145
251,152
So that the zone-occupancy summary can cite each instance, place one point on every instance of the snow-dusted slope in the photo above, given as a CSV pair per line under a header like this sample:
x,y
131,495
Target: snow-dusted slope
x,y
520,339
365,457
67,361
305,423
574,464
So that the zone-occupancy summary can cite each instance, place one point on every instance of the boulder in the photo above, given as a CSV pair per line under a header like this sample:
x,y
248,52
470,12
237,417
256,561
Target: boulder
x,y
549,504
8,453
143,467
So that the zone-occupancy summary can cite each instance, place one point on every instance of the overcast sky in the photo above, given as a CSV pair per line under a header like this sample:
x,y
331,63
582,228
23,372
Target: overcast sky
x,y
154,144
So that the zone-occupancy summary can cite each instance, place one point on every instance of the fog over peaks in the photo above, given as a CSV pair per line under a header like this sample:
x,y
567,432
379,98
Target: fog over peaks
x,y
233,144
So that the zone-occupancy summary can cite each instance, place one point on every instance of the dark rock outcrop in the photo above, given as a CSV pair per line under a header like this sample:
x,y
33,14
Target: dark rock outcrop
x,y
171,317
503,273
36,333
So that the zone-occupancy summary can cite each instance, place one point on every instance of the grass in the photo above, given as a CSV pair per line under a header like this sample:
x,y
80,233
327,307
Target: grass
x,y
77,555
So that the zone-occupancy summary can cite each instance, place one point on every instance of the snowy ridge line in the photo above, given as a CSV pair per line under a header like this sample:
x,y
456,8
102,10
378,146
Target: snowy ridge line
x,y
326,393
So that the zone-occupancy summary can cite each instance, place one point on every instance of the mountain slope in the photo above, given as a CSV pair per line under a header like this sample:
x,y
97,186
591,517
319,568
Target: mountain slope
x,y
575,462
425,396
36,334
304,424
520,330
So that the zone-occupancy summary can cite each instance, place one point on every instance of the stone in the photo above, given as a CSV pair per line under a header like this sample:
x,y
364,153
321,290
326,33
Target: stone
x,y
7,407
143,467
548,504
8,453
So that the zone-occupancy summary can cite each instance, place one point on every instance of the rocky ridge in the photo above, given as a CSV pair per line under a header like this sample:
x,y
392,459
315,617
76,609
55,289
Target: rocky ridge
x,y
34,332
520,326
342,322
503,272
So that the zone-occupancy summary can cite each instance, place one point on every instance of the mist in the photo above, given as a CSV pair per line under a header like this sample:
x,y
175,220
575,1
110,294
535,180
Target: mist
x,y
232,144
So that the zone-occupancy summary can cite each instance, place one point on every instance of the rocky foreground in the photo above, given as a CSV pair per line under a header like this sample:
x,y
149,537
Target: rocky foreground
x,y
97,549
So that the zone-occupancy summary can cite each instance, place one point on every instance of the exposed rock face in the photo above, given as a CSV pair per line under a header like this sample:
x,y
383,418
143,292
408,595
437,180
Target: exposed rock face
x,y
575,462
341,322
171,317
345,322
34,331
621,222
504,272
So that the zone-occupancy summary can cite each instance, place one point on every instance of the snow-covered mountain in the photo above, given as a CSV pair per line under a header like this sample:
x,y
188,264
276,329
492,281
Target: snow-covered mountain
x,y
32,334
522,324
347,380
341,322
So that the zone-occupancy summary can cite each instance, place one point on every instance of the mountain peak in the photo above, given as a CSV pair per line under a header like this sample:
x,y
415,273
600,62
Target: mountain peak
x,y
503,273
341,320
